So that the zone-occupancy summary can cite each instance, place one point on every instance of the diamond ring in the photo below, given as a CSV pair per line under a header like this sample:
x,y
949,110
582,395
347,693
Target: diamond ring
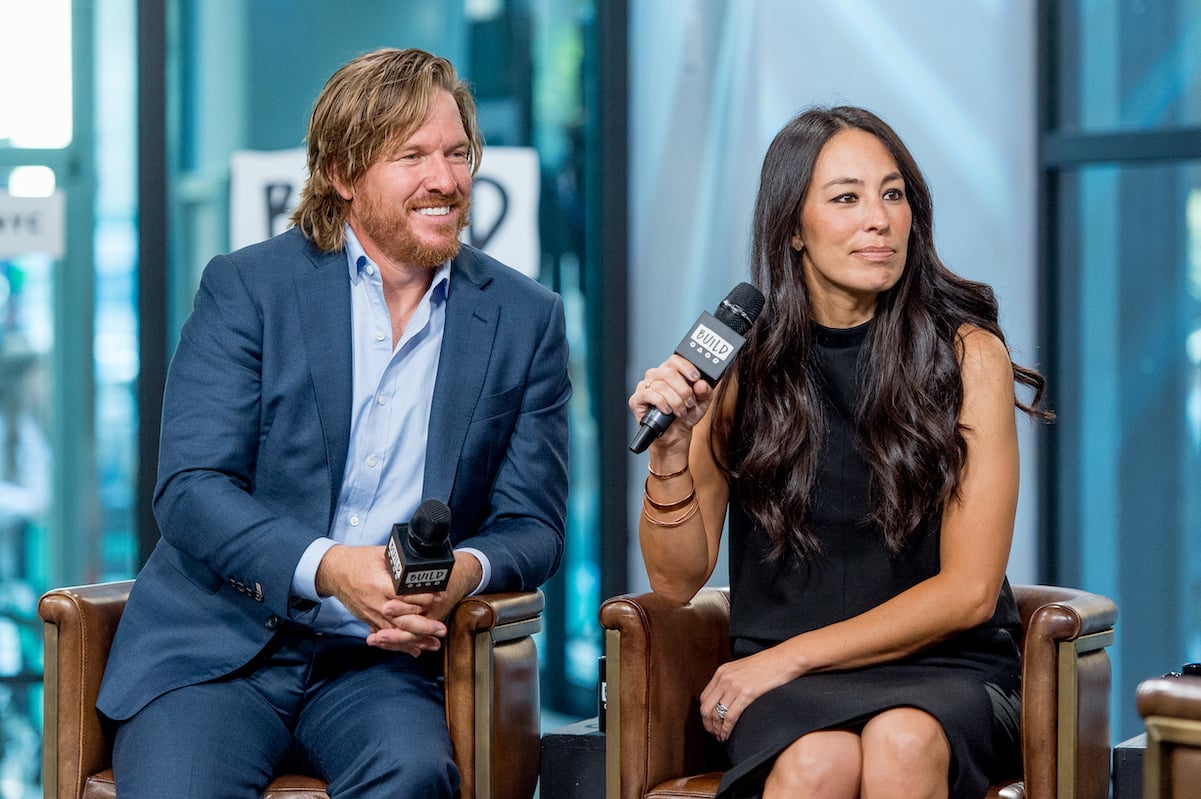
x,y
720,710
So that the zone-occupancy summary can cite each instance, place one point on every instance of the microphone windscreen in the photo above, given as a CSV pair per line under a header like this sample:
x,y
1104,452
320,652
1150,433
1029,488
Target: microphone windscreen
x,y
431,522
740,308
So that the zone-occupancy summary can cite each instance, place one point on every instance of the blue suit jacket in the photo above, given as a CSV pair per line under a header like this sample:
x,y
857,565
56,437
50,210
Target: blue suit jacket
x,y
256,426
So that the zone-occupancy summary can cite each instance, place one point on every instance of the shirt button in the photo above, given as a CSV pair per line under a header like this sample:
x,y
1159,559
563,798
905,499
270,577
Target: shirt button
x,y
381,400
370,269
379,335
354,520
372,461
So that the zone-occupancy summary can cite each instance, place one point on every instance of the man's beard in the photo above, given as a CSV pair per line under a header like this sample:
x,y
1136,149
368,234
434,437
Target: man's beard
x,y
393,233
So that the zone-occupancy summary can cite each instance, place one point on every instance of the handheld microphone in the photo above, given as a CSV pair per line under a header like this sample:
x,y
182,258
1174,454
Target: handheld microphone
x,y
419,554
710,345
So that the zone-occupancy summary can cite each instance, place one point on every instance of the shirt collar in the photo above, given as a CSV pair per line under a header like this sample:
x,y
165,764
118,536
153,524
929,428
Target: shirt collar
x,y
357,260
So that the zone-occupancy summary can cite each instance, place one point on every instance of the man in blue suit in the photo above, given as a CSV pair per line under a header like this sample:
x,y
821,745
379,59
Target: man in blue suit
x,y
327,381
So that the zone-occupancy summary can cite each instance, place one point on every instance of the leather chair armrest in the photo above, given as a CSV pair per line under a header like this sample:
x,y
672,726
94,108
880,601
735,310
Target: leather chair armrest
x,y
1065,681
1064,613
659,655
1171,711
488,611
78,632
492,693
1176,697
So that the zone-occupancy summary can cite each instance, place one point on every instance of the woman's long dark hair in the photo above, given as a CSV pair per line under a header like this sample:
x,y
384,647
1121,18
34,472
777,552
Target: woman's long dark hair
x,y
908,415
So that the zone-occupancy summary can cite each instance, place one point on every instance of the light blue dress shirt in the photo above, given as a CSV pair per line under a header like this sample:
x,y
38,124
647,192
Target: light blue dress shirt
x,y
392,395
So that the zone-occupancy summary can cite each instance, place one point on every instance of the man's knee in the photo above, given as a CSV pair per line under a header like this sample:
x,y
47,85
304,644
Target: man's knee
x,y
162,749
388,771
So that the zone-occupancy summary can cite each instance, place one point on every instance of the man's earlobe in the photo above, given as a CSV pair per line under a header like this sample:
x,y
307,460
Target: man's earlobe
x,y
344,191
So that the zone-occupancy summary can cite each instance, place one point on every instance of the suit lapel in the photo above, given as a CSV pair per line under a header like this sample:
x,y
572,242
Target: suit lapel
x,y
467,342
323,296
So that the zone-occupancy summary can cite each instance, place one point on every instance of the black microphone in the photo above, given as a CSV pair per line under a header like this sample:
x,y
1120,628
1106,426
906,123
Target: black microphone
x,y
709,345
419,555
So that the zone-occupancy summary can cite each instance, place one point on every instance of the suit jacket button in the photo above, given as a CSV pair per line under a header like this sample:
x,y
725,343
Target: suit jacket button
x,y
272,622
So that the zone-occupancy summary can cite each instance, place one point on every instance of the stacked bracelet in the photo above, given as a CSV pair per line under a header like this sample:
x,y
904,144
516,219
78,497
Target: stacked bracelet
x,y
693,507
659,476
688,504
667,507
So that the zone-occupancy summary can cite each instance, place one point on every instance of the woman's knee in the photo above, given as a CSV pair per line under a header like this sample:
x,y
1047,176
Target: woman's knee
x,y
907,736
820,764
905,749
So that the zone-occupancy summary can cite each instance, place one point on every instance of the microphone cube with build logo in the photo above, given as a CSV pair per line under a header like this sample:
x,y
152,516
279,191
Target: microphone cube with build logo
x,y
710,346
419,555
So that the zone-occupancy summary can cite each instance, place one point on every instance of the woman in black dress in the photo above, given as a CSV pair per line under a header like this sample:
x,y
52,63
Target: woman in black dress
x,y
865,447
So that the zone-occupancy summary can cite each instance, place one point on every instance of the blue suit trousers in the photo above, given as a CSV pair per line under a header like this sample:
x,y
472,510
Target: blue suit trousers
x,y
369,722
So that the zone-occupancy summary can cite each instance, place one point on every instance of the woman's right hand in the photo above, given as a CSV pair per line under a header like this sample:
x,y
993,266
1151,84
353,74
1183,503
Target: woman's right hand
x,y
674,387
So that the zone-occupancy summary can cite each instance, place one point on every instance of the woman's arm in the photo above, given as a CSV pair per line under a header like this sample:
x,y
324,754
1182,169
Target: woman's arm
x,y
977,529
684,506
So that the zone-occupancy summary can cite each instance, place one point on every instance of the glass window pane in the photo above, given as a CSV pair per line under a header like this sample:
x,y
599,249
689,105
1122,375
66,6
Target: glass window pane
x,y
68,354
116,364
27,284
1129,405
1129,66
35,60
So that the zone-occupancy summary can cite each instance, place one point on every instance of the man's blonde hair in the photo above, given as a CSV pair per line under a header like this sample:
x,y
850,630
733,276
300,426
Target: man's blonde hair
x,y
369,106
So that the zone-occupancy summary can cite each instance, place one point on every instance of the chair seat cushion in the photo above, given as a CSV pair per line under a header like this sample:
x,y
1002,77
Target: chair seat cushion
x,y
288,786
705,785
100,786
293,786
1007,790
694,787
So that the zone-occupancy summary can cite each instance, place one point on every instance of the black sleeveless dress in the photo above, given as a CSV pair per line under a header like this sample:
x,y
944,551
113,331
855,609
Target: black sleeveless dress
x,y
970,683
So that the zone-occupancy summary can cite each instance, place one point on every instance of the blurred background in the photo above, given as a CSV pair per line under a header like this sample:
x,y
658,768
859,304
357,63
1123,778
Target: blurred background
x,y
1061,139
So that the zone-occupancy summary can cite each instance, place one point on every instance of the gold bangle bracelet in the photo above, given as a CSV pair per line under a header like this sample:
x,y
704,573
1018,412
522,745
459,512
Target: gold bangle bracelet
x,y
685,516
667,507
659,476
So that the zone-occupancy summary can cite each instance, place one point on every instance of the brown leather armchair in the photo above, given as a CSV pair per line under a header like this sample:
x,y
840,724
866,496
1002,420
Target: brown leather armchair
x,y
492,699
660,655
1171,711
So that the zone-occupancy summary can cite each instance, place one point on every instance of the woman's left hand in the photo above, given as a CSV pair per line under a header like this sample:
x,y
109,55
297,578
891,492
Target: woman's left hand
x,y
737,683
